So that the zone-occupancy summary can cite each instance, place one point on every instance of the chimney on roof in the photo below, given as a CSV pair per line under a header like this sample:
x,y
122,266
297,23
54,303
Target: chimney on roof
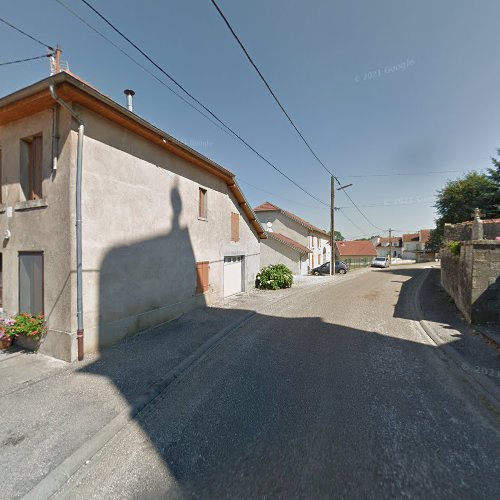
x,y
130,101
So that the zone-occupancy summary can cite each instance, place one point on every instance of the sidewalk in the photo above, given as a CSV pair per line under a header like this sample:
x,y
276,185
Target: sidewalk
x,y
54,414
471,347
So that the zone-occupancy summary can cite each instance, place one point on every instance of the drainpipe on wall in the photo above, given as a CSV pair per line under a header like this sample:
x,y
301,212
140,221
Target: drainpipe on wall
x,y
55,136
79,159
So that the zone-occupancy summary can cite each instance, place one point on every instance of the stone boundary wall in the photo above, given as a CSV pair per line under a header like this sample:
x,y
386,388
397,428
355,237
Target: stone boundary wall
x,y
463,230
472,279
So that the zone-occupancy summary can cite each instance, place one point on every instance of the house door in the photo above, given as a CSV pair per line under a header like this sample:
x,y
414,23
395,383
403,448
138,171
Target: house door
x,y
303,266
233,282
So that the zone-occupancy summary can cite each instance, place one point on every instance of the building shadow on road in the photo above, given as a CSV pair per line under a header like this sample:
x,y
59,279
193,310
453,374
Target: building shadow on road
x,y
289,407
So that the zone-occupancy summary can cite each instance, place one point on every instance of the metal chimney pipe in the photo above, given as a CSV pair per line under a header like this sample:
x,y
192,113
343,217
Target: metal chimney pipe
x,y
130,102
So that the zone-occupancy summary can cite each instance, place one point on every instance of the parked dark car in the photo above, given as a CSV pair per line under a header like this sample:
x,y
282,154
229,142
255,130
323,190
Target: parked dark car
x,y
340,268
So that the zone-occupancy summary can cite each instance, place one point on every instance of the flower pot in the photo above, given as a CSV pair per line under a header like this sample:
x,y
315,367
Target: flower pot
x,y
27,342
5,342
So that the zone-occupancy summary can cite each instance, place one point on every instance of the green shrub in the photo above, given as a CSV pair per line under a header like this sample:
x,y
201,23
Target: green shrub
x,y
274,277
454,247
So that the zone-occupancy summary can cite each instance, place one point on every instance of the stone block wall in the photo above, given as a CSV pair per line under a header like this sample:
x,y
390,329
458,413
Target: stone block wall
x,y
463,230
472,279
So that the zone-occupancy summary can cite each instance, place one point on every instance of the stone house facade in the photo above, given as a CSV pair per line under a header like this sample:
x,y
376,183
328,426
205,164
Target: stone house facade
x,y
164,229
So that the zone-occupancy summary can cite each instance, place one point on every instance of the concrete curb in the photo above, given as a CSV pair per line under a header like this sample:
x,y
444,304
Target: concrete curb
x,y
493,338
487,389
59,476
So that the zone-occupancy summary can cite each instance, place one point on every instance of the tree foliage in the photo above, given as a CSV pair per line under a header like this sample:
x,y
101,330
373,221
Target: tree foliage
x,y
494,175
458,199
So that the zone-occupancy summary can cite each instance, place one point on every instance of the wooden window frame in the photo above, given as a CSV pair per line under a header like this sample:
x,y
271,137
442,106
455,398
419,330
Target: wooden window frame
x,y
202,277
33,162
202,204
235,226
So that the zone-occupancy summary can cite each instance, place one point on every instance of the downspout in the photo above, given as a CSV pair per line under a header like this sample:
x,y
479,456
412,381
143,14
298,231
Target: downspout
x,y
55,136
79,280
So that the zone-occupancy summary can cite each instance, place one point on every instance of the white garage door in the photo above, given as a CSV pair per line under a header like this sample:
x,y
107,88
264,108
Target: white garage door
x,y
232,275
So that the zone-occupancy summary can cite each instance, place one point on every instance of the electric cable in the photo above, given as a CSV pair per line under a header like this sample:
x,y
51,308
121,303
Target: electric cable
x,y
25,60
269,87
26,34
282,107
173,80
136,62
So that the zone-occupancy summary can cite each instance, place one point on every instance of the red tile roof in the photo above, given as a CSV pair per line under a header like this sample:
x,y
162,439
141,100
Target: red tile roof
x,y
269,207
266,206
390,241
356,248
289,242
484,221
410,237
394,239
425,235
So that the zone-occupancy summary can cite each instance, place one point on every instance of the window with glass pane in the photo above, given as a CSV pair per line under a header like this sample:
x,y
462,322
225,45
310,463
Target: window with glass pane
x,y
31,282
31,167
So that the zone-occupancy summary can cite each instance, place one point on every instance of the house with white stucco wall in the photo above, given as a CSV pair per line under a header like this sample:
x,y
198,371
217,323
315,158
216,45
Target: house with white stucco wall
x,y
163,228
291,240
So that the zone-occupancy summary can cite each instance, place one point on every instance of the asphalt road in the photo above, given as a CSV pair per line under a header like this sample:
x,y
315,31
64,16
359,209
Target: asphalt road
x,y
333,393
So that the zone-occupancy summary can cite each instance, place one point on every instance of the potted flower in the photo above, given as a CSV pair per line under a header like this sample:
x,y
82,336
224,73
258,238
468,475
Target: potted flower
x,y
29,330
5,339
6,333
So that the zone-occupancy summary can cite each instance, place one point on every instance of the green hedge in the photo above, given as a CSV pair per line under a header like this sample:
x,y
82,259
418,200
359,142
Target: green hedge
x,y
274,277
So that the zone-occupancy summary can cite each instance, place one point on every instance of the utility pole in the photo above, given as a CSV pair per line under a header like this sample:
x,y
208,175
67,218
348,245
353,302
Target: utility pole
x,y
332,223
390,246
332,227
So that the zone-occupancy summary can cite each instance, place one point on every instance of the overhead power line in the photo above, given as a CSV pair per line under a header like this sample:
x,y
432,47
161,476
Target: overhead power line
x,y
26,34
159,80
279,195
137,63
173,80
283,109
25,60
400,173
349,219
224,18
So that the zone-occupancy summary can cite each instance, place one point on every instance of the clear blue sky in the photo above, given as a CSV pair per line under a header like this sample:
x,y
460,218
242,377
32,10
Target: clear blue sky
x,y
393,86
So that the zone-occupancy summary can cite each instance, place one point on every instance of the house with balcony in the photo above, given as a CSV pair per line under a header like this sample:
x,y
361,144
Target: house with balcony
x,y
163,229
291,240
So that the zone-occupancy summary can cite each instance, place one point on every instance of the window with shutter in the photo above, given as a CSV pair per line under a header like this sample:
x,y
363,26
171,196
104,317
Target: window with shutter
x,y
31,167
202,283
235,227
